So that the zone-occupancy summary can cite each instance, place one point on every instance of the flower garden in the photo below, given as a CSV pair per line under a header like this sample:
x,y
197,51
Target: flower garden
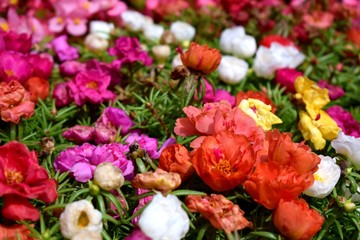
x,y
178,119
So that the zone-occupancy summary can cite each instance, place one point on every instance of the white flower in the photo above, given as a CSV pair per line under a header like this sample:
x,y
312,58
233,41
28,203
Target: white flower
x,y
268,60
326,178
234,41
134,20
108,177
232,69
164,218
80,216
348,146
101,28
95,43
153,32
88,235
161,52
183,31
176,61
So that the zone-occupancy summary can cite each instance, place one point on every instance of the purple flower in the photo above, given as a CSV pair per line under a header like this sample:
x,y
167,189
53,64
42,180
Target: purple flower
x,y
90,86
63,50
115,118
42,64
345,121
79,134
15,42
107,69
137,234
335,92
71,68
286,77
128,50
62,95
145,142
14,66
103,134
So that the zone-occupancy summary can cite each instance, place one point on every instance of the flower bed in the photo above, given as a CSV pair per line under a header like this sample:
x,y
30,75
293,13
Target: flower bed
x,y
179,119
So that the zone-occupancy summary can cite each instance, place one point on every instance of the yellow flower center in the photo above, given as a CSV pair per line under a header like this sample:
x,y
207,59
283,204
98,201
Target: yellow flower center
x,y
13,177
83,219
318,178
77,21
14,2
4,26
59,20
92,85
86,5
224,166
8,72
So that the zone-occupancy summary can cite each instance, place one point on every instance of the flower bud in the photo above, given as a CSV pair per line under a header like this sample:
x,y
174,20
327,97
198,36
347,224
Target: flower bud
x,y
183,31
349,206
108,177
95,43
232,69
161,52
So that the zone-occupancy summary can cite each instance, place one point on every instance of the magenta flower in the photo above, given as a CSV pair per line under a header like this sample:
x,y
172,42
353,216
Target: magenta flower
x,y
42,64
217,96
335,92
90,86
142,202
115,118
14,66
345,121
137,234
63,50
128,50
15,42
286,77
62,95
82,160
71,68
105,68
79,134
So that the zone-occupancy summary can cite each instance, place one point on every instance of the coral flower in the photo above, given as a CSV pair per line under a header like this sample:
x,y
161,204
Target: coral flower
x,y
284,173
201,58
221,212
296,221
320,20
224,161
38,88
15,232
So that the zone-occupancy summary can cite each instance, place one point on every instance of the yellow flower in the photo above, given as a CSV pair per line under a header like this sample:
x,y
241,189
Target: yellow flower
x,y
318,129
260,112
314,97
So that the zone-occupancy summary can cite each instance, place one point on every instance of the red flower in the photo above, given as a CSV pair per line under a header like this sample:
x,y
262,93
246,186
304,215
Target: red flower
x,y
176,158
201,58
15,232
268,40
22,178
38,88
296,221
255,95
224,161
284,173
221,212
353,35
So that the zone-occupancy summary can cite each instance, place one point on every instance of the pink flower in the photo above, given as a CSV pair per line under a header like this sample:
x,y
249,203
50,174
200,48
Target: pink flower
x,y
145,142
15,42
14,66
79,134
320,20
345,121
335,92
115,118
62,95
219,95
286,77
42,64
161,8
142,202
63,50
71,68
137,234
111,8
90,86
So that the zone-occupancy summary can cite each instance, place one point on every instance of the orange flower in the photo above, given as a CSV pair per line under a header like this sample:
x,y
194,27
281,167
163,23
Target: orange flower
x,y
201,58
256,95
15,232
176,158
296,221
38,88
159,180
284,173
224,161
221,212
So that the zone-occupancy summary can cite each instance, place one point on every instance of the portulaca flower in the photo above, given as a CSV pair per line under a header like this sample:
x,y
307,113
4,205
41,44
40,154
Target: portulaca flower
x,y
80,216
164,218
268,60
235,41
326,178
88,235
161,52
176,61
101,28
135,21
348,146
153,32
108,177
95,43
183,31
232,69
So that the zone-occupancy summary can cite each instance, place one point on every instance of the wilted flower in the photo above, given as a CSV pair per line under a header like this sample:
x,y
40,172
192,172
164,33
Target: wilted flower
x,y
344,120
108,177
221,212
325,177
201,58
232,70
164,218
296,221
183,31
80,216
349,146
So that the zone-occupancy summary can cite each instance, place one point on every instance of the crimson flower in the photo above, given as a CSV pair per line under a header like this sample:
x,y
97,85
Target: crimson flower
x,y
22,178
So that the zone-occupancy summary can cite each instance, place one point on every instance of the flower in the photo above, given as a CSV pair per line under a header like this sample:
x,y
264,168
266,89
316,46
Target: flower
x,y
14,102
62,95
232,70
116,118
235,41
95,43
153,32
224,161
63,50
159,180
176,158
349,146
80,216
161,52
137,234
42,65
22,178
14,232
183,31
286,77
334,91
88,235
344,120
17,42
108,177
296,221
221,212
325,177
133,20
38,88
255,95
276,56
145,142
164,218
317,19
14,66
283,173
217,95
101,29
201,58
